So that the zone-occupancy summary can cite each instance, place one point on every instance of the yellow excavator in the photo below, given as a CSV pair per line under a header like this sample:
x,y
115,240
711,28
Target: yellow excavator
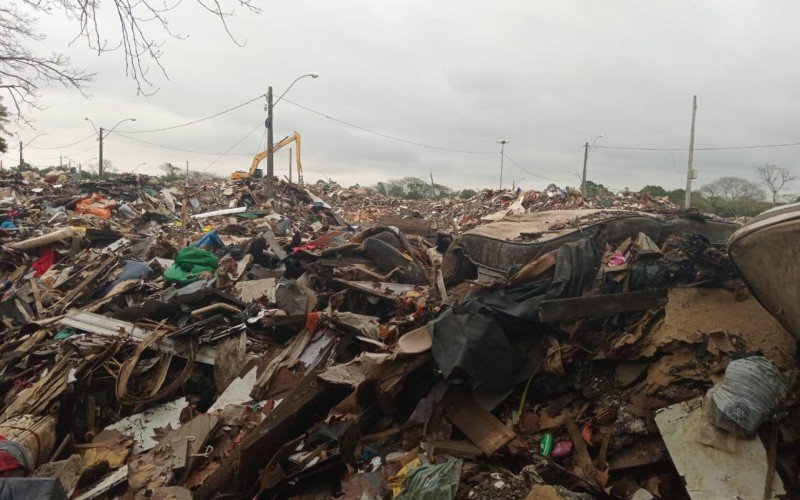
x,y
257,173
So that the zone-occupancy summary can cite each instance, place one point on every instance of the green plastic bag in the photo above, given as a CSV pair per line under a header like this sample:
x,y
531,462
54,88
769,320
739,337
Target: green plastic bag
x,y
432,482
189,263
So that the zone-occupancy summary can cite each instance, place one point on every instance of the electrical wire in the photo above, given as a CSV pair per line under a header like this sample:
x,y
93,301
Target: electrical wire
x,y
39,158
195,121
233,146
532,173
173,148
66,145
717,148
387,136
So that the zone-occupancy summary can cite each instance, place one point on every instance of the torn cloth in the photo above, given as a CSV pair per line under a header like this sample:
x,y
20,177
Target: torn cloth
x,y
46,260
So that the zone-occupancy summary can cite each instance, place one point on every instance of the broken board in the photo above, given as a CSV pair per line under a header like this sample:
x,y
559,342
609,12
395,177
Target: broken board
x,y
600,306
709,472
481,427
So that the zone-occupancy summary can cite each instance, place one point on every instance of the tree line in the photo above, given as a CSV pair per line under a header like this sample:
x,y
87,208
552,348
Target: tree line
x,y
727,196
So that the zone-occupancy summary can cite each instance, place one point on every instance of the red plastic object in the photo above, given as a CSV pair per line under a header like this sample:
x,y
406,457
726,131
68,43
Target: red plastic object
x,y
562,449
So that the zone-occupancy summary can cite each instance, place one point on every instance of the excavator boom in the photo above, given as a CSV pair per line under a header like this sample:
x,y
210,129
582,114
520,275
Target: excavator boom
x,y
295,137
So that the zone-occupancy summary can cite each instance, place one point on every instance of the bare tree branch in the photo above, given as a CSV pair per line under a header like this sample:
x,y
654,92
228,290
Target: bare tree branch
x,y
142,28
775,178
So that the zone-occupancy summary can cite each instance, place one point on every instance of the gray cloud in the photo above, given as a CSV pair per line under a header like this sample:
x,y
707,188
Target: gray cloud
x,y
548,76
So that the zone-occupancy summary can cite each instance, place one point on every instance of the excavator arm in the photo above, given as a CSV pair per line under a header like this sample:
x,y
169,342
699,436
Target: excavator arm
x,y
295,137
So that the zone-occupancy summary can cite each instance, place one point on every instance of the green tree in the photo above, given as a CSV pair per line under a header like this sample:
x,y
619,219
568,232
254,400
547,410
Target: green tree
x,y
467,193
171,172
677,196
730,197
593,189
654,190
415,188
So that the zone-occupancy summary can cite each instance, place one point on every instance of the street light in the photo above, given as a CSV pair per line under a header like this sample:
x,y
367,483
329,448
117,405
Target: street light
x,y
586,149
502,143
312,75
271,126
515,182
23,146
100,138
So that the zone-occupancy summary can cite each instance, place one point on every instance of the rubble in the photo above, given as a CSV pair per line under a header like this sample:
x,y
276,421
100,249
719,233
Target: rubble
x,y
213,339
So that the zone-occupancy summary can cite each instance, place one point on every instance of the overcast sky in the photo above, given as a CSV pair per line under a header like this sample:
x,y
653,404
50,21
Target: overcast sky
x,y
546,76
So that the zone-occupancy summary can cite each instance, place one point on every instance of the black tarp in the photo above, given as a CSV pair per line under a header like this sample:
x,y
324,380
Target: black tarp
x,y
481,336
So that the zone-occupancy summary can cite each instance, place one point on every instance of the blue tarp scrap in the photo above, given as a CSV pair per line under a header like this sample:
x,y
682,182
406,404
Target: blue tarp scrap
x,y
209,240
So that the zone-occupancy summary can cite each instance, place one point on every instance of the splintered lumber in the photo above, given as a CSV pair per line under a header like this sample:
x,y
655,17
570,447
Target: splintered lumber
x,y
305,405
600,306
481,427
532,270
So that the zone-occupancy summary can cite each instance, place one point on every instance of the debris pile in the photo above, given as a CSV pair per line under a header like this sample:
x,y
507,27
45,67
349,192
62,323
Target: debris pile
x,y
219,339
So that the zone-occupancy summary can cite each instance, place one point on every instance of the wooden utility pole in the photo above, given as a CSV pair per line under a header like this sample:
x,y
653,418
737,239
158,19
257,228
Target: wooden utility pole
x,y
100,156
185,206
585,163
502,143
689,172
20,155
270,157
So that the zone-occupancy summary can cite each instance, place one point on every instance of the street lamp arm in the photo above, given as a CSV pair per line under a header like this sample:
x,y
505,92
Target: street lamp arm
x,y
120,123
35,137
93,125
312,75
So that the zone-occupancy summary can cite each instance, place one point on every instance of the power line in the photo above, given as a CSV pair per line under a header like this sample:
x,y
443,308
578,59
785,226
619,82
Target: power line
x,y
39,158
195,121
532,173
233,146
387,136
66,145
181,149
717,148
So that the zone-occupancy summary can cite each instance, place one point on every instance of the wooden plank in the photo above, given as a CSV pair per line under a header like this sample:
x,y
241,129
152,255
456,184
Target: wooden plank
x,y
600,306
480,426
532,270
461,449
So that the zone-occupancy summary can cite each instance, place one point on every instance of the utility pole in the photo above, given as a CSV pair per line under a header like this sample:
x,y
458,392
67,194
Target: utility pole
x,y
20,155
100,156
60,161
502,143
185,205
585,162
689,172
270,158
290,165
